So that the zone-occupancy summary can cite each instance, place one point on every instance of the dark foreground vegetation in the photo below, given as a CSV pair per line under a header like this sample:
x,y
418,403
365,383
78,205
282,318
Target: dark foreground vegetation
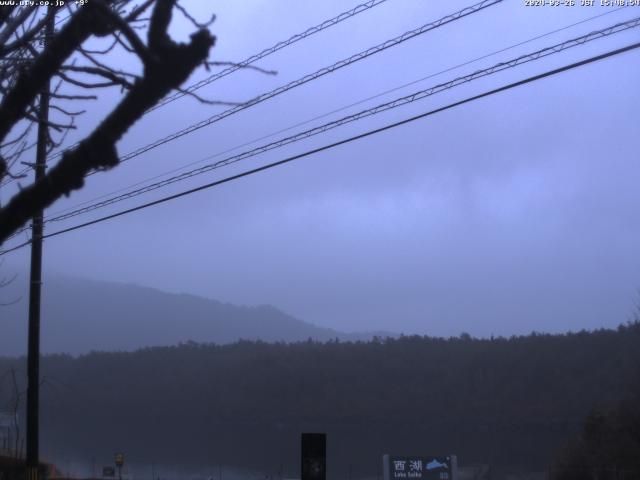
x,y
511,403
608,447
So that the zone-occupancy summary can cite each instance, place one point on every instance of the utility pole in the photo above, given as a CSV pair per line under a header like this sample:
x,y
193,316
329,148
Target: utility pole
x,y
33,354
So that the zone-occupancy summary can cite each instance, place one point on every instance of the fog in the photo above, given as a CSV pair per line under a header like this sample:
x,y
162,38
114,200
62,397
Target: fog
x,y
514,213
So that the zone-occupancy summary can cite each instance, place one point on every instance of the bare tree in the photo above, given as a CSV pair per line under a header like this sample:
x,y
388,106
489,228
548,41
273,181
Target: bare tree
x,y
4,282
14,438
28,65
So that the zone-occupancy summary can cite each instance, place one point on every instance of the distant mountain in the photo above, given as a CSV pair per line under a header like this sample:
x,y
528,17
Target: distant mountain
x,y
80,315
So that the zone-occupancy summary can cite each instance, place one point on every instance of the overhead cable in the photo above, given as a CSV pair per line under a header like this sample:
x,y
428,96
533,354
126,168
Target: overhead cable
x,y
268,51
369,133
313,76
419,95
337,110
248,61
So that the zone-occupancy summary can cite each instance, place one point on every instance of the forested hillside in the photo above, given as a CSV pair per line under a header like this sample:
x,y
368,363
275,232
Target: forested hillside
x,y
607,448
505,402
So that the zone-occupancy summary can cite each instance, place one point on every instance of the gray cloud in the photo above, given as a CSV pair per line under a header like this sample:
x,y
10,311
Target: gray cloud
x,y
515,213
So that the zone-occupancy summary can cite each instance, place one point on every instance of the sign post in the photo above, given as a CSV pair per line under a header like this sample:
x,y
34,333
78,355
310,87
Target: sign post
x,y
420,467
119,464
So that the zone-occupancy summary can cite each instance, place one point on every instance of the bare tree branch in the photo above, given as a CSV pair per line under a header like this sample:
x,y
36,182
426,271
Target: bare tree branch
x,y
14,23
167,65
194,22
32,80
116,78
206,101
27,36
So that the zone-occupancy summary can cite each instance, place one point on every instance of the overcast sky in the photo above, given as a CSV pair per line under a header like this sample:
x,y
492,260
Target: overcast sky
x,y
514,213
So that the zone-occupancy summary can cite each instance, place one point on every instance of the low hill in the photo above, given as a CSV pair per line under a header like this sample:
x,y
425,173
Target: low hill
x,y
80,315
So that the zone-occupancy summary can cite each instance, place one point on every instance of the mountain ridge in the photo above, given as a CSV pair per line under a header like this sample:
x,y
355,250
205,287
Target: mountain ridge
x,y
83,315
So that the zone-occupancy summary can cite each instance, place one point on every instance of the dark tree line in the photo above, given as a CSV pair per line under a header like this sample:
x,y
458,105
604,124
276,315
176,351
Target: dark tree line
x,y
508,402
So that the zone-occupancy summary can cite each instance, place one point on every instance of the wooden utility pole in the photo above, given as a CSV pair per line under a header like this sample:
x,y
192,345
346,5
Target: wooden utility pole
x,y
33,353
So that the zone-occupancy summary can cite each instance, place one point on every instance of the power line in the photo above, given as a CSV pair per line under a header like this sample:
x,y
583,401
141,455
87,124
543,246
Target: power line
x,y
396,103
523,59
359,102
544,52
268,51
357,137
488,93
17,247
313,76
248,61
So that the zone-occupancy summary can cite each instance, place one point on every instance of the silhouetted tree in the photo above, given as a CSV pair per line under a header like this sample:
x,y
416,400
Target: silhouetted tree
x,y
607,448
26,67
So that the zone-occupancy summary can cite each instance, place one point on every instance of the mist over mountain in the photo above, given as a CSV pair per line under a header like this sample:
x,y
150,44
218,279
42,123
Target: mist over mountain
x,y
81,315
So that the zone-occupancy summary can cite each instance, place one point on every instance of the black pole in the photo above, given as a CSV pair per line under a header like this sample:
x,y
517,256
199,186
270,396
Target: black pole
x,y
33,356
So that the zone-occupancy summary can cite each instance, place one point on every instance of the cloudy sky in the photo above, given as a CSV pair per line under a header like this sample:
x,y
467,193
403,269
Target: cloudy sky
x,y
514,213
